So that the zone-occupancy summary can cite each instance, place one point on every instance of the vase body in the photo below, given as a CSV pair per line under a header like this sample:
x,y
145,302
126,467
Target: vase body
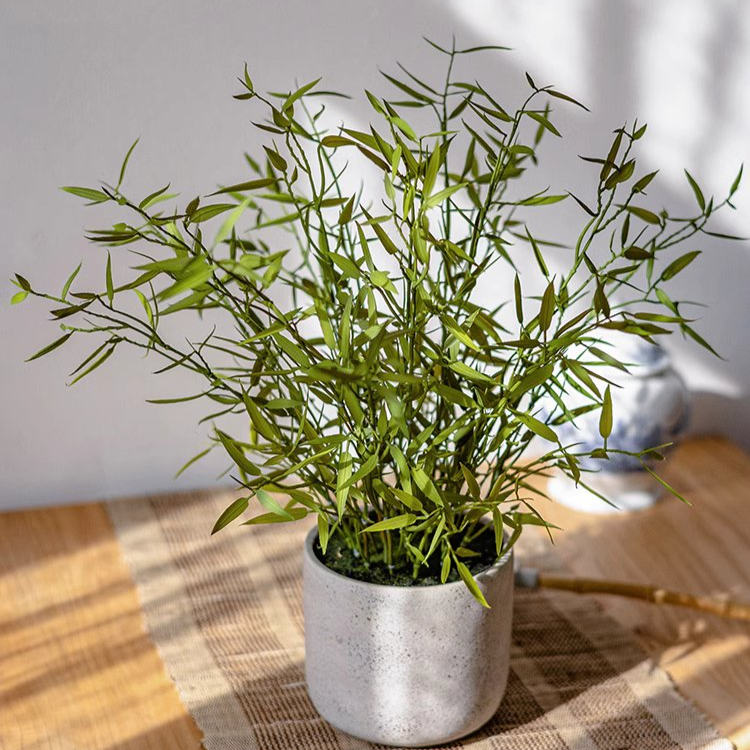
x,y
649,407
406,666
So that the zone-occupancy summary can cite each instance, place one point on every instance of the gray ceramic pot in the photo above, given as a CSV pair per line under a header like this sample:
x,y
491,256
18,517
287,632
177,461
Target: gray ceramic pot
x,y
406,666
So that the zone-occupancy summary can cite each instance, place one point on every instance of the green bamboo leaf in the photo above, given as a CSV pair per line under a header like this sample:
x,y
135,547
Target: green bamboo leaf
x,y
407,499
204,213
621,174
458,332
299,93
323,531
543,200
497,523
696,191
532,380
191,281
588,210
471,583
268,502
445,568
413,93
156,197
125,163
389,524
283,403
404,127
644,182
609,162
471,483
439,197
334,141
537,253
367,467
342,481
454,396
431,172
537,427
237,454
608,358
241,187
193,460
275,328
175,400
348,267
70,280
686,329
382,280
109,283
423,481
292,350
582,374
471,50
276,159
518,299
346,212
292,470
678,265
385,240
605,418
146,306
95,196
547,308
231,220
737,181
97,363
235,510
544,122
50,347
724,236
264,427
667,486
192,301
565,97
637,253
644,214
467,371
291,514
18,297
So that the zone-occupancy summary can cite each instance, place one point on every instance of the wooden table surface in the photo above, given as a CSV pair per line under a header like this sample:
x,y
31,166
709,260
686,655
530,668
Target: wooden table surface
x,y
77,670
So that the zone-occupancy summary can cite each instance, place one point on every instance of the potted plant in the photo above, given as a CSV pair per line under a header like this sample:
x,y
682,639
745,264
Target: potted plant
x,y
388,345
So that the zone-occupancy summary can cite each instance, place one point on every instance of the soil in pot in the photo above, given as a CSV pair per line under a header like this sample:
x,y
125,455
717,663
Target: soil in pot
x,y
348,562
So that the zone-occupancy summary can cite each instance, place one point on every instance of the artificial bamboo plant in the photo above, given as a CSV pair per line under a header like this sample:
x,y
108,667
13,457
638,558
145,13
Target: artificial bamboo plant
x,y
382,392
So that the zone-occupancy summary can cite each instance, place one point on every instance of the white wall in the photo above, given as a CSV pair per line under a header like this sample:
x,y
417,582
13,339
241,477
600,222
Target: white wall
x,y
80,80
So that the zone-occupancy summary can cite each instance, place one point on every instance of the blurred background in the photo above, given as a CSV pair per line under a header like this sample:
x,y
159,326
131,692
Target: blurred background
x,y
80,81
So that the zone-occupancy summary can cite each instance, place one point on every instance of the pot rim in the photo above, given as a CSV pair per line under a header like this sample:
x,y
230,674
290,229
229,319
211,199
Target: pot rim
x,y
312,535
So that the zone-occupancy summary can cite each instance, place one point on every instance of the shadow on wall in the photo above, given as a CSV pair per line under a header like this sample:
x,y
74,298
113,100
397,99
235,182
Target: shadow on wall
x,y
681,67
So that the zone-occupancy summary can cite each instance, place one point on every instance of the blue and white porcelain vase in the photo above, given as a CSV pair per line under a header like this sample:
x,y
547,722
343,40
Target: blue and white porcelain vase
x,y
650,407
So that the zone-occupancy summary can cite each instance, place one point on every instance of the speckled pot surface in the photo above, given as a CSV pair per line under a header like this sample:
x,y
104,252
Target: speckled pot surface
x,y
406,666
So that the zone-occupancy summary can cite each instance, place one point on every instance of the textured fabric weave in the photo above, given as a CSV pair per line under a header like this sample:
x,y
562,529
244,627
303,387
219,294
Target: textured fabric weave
x,y
225,613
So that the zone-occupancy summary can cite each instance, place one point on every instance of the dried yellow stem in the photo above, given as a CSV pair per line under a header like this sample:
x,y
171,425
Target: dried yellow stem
x,y
654,594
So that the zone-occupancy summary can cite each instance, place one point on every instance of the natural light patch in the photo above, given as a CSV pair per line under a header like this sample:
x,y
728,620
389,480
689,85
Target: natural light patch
x,y
549,38
728,143
703,376
673,80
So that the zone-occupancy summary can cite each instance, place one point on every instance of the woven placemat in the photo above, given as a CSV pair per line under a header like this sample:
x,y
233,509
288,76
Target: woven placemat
x,y
225,613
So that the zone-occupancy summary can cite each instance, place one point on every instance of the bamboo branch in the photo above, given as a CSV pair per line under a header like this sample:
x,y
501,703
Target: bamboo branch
x,y
722,607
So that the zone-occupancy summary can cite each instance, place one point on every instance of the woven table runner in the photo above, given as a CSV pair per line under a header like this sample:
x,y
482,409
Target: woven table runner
x,y
225,613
